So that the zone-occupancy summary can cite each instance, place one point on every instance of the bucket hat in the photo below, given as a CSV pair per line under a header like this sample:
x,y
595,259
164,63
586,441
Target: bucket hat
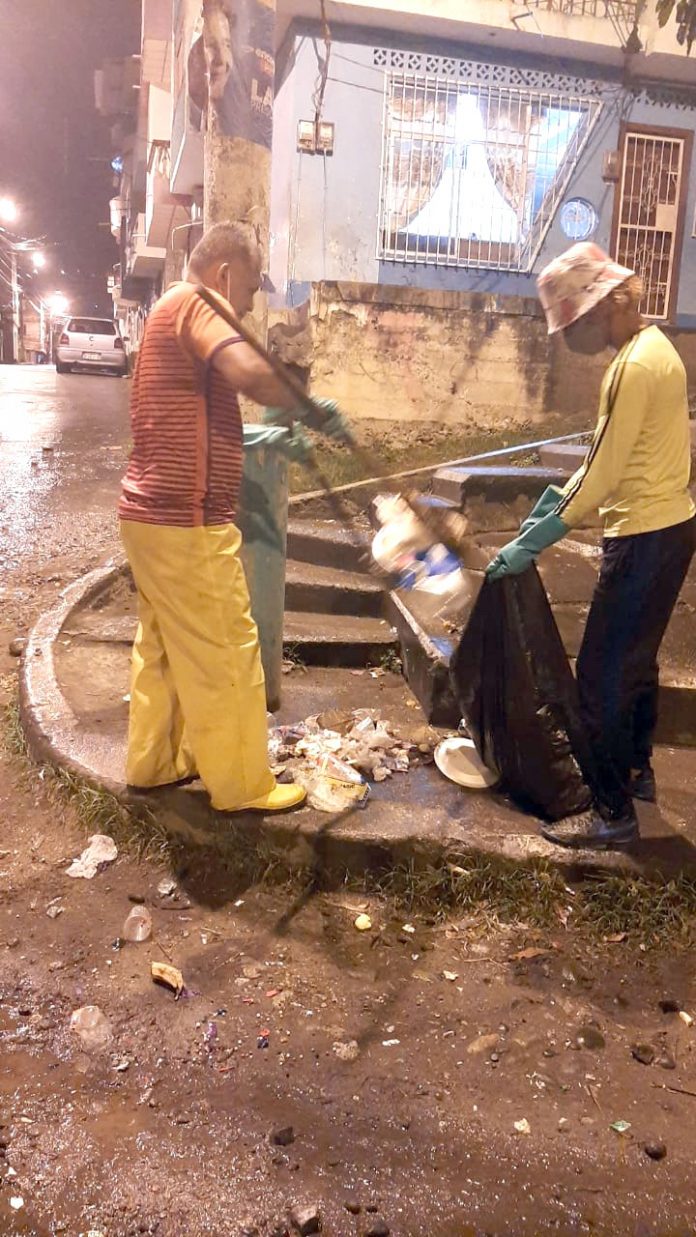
x,y
571,285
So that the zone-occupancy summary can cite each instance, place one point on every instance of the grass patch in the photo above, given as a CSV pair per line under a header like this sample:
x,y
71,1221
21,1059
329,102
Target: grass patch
x,y
135,831
649,910
387,451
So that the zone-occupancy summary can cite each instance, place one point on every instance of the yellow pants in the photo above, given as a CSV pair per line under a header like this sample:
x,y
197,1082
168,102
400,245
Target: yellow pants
x,y
198,701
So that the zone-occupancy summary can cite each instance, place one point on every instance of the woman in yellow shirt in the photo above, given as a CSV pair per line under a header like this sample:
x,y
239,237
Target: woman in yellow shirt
x,y
636,474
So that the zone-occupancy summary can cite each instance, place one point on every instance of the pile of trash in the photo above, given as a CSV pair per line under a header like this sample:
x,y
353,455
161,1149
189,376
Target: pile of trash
x,y
335,754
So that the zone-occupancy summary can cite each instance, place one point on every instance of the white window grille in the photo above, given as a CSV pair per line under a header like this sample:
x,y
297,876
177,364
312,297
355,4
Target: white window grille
x,y
472,174
650,205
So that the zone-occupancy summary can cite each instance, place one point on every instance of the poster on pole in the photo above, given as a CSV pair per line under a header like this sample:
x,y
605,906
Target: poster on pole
x,y
240,65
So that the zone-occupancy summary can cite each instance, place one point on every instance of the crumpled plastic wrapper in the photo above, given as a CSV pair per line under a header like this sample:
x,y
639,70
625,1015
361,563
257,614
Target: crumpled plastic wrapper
x,y
328,761
101,851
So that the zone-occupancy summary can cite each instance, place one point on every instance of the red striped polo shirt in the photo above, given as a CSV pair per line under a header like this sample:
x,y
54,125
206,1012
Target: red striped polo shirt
x,y
185,467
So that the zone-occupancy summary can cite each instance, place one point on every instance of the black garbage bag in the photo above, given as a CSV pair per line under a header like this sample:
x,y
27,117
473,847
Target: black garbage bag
x,y
517,694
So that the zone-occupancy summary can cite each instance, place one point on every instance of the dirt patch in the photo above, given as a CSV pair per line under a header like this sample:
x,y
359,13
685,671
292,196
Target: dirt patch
x,y
401,1060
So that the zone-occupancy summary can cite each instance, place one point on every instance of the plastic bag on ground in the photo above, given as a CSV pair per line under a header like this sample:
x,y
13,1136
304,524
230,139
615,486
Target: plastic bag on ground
x,y
333,785
99,854
517,693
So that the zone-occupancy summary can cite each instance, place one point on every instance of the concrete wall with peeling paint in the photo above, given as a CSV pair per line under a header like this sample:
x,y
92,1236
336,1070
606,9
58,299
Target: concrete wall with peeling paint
x,y
407,354
455,358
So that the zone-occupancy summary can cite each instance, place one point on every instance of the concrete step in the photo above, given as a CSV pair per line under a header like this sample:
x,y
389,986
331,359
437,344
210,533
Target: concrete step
x,y
567,456
327,590
337,640
326,544
460,485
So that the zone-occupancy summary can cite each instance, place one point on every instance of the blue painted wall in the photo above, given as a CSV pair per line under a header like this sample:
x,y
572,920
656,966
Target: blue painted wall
x,y
325,210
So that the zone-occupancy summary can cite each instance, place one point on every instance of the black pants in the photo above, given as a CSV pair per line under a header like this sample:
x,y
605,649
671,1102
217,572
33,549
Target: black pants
x,y
617,670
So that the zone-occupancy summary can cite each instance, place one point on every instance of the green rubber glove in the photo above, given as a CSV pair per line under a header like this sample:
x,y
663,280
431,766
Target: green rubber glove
x,y
295,444
543,506
518,555
326,419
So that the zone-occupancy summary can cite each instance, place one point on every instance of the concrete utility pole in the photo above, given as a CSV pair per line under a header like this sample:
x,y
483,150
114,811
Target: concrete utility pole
x,y
239,42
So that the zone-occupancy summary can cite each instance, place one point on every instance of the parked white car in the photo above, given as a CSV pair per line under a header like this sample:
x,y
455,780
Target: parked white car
x,y
91,343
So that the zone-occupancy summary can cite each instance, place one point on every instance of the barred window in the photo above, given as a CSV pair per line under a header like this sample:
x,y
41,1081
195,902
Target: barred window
x,y
472,174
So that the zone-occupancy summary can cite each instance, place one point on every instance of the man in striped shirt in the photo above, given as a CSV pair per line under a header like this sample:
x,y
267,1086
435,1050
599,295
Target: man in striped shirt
x,y
636,474
198,704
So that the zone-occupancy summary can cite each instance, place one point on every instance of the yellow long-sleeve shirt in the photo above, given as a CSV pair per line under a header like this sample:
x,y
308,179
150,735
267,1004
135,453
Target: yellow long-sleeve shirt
x,y
637,470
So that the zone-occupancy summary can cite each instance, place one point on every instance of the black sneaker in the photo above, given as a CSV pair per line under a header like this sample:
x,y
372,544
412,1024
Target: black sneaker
x,y
643,784
592,832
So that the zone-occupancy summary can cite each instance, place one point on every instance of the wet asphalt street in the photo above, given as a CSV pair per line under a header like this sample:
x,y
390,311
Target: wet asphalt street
x,y
63,447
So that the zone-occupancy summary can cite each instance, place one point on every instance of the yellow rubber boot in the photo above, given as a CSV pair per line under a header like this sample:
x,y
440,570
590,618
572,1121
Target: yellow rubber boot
x,y
281,799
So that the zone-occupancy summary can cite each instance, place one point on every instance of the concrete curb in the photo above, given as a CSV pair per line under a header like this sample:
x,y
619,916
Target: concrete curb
x,y
351,844
52,731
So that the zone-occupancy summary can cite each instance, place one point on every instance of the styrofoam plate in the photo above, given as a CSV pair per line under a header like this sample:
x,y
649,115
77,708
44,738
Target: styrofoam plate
x,y
459,761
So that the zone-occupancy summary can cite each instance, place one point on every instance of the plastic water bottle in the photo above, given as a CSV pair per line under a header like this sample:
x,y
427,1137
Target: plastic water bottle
x,y
138,925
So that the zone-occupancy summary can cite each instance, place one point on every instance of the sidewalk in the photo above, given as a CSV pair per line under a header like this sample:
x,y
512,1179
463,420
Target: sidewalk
x,y
74,688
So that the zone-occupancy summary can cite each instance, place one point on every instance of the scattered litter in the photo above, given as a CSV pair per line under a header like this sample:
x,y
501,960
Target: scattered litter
x,y
390,1043
264,1038
54,909
452,976
167,887
620,1127
522,1127
686,1018
331,755
617,938
100,852
92,1026
333,785
239,902
210,1035
17,646
122,1066
16,1202
655,1151
169,976
408,927
138,925
363,923
349,1051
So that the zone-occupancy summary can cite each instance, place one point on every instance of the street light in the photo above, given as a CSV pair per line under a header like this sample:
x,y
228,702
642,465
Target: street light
x,y
39,260
58,304
8,210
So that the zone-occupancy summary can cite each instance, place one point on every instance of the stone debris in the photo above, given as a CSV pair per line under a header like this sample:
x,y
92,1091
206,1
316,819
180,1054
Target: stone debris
x,y
349,1051
306,1220
645,1053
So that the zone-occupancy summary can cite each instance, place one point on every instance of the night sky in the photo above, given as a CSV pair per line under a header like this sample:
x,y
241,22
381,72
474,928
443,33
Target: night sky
x,y
52,138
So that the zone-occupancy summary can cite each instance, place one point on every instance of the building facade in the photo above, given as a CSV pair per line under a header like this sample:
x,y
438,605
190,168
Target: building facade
x,y
428,158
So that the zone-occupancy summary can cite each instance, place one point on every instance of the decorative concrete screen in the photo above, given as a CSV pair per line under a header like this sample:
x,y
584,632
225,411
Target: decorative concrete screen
x,y
473,171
